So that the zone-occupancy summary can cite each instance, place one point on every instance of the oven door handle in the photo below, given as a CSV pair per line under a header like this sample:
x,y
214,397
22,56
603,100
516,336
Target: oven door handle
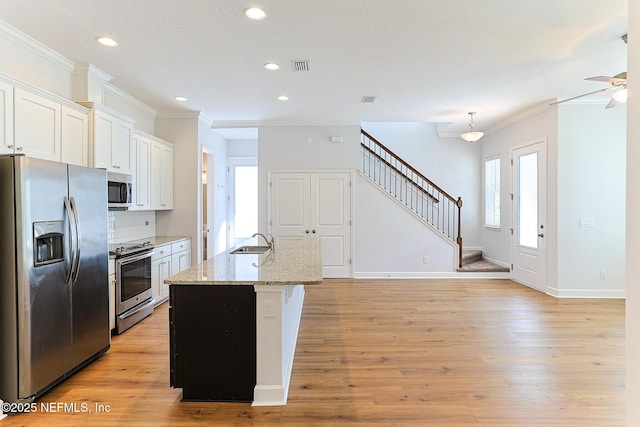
x,y
133,258
137,308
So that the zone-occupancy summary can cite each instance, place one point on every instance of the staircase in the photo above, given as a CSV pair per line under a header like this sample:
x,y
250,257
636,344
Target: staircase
x,y
422,196
472,261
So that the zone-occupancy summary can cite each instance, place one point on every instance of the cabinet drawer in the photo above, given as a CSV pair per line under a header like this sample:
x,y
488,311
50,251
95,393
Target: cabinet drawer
x,y
182,245
161,252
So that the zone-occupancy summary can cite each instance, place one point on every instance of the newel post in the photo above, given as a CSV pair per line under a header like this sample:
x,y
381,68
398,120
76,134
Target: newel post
x,y
459,238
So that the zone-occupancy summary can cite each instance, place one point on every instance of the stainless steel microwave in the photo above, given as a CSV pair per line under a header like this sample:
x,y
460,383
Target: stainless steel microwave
x,y
119,190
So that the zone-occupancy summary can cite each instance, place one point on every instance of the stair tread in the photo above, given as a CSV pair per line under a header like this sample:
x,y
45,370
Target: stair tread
x,y
483,265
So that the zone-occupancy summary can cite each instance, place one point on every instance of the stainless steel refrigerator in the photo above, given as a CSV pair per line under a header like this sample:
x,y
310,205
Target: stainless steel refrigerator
x,y
54,290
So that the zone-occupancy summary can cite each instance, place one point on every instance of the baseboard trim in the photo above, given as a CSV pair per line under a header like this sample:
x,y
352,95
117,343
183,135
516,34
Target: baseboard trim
x,y
586,293
431,275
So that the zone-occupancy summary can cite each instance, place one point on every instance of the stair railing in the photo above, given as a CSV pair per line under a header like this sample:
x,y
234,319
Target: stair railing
x,y
410,187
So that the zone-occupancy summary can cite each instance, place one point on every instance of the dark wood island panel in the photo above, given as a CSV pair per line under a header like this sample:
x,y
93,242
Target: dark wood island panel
x,y
213,342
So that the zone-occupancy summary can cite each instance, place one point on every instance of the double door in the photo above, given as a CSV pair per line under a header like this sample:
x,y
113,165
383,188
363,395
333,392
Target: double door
x,y
315,204
54,277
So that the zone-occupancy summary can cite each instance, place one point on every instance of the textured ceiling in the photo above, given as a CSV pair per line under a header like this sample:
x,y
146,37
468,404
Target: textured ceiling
x,y
425,60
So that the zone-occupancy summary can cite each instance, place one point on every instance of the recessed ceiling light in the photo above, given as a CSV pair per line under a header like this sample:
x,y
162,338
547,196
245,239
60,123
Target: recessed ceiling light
x,y
283,98
106,41
255,13
271,66
180,98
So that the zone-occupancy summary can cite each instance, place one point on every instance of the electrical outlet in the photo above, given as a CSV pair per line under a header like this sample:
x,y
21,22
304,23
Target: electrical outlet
x,y
586,222
603,274
269,309
425,260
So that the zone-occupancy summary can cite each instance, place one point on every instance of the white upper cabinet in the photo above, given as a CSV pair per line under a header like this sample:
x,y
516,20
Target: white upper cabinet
x,y
141,186
6,118
75,136
111,142
37,122
161,167
42,125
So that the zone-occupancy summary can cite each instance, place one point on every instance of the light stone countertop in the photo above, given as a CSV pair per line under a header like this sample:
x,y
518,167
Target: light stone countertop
x,y
294,262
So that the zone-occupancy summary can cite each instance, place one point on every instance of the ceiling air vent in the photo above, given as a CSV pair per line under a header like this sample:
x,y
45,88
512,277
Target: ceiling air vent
x,y
300,65
368,99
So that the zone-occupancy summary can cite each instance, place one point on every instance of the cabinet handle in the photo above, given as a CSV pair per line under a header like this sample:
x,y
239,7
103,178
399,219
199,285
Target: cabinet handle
x,y
314,231
306,231
19,148
10,146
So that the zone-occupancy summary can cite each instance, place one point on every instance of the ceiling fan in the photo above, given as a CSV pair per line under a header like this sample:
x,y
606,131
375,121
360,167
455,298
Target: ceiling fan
x,y
619,81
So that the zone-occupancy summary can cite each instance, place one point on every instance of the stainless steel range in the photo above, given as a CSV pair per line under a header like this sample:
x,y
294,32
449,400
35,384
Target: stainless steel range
x,y
134,295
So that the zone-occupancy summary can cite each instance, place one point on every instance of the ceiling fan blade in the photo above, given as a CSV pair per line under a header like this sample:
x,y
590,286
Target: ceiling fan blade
x,y
618,78
612,103
580,96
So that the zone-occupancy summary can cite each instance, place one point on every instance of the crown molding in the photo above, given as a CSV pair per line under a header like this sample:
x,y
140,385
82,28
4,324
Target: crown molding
x,y
36,47
108,87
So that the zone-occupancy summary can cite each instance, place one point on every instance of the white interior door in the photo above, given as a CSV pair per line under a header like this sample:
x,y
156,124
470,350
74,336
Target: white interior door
x,y
529,184
331,220
315,203
290,205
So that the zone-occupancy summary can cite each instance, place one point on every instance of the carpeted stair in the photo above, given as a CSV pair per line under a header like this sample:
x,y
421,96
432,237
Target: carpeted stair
x,y
472,261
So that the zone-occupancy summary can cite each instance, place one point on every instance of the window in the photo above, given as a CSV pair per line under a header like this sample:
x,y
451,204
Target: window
x,y
492,191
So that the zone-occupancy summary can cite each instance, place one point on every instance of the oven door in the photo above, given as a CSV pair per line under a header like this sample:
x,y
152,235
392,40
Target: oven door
x,y
133,278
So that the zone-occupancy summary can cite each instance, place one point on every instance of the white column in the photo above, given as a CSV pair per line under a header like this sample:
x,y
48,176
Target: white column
x,y
278,312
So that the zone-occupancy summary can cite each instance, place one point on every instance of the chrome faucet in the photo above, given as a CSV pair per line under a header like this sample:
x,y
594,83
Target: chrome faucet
x,y
270,241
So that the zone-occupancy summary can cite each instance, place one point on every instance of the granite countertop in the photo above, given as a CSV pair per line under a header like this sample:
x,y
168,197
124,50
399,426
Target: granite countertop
x,y
163,240
293,262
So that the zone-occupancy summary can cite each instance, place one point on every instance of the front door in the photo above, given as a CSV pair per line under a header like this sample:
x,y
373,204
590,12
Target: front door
x,y
315,203
529,184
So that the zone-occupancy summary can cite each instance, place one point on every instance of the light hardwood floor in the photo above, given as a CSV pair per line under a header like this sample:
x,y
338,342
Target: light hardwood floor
x,y
402,352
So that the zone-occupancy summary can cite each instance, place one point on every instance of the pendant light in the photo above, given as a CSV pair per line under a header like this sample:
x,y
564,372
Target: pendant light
x,y
471,136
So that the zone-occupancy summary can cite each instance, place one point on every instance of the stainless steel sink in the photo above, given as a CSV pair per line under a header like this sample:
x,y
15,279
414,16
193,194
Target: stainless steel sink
x,y
250,250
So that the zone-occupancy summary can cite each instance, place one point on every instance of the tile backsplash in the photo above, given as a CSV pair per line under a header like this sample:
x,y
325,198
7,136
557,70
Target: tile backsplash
x,y
130,225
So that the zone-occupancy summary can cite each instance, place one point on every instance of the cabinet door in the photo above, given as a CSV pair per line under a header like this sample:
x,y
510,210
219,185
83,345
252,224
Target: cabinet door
x,y
143,195
36,125
112,301
166,272
122,147
166,178
103,125
75,137
180,261
6,118
161,176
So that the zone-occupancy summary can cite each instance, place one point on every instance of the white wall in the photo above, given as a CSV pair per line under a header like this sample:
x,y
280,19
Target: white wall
x,y
451,163
536,126
217,146
242,148
286,148
31,61
591,185
390,241
182,220
633,225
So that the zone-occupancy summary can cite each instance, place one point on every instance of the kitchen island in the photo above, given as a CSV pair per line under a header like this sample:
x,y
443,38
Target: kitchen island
x,y
234,322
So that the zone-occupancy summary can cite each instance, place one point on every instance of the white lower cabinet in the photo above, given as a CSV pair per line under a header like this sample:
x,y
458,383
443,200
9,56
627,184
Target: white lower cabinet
x,y
160,270
112,294
167,260
180,256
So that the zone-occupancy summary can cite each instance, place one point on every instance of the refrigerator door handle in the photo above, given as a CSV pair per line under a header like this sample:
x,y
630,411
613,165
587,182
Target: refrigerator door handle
x,y
67,207
76,217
